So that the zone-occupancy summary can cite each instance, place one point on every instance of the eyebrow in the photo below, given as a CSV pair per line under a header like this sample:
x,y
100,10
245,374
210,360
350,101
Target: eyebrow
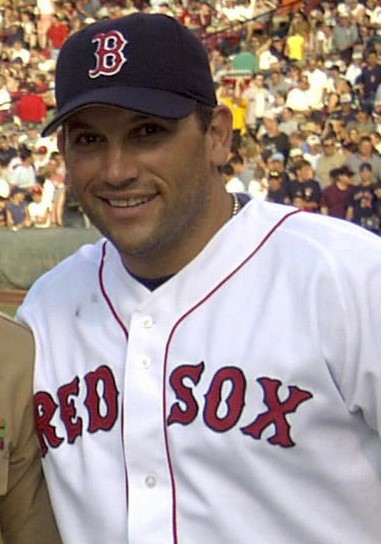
x,y
135,118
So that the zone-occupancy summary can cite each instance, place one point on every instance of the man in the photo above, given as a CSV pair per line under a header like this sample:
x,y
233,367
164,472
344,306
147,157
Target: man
x,y
363,205
362,122
330,159
7,152
365,154
272,140
278,191
335,197
317,78
25,511
369,80
313,153
289,124
259,101
345,35
301,99
305,190
210,365
23,175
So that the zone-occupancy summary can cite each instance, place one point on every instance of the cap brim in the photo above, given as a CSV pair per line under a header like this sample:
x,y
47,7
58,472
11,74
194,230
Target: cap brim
x,y
150,101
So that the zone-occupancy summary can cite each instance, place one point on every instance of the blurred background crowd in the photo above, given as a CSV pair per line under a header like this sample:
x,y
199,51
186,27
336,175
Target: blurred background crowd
x,y
302,79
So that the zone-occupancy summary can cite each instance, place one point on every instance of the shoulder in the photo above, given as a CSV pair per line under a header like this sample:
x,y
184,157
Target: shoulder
x,y
16,344
328,237
76,274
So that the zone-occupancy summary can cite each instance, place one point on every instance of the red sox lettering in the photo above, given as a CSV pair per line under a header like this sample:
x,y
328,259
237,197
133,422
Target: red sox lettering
x,y
276,409
109,56
99,420
183,411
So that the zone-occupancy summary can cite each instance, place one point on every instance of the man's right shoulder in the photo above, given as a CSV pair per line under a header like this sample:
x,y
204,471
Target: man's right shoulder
x,y
77,272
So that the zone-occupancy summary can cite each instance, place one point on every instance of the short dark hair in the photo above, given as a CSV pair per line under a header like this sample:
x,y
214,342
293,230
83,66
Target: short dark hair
x,y
204,114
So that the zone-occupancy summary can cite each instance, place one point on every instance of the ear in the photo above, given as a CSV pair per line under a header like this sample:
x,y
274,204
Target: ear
x,y
220,133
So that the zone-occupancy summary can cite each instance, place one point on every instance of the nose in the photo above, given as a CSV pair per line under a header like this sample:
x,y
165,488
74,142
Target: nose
x,y
120,165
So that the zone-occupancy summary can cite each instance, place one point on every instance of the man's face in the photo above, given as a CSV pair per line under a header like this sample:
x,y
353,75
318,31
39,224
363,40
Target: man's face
x,y
278,166
328,147
305,173
304,83
366,148
146,183
372,59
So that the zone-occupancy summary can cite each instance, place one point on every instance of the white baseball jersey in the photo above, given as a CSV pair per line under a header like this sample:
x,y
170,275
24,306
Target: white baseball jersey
x,y
239,402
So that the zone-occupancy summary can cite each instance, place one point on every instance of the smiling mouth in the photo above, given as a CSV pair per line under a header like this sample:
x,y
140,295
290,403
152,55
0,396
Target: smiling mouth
x,y
130,202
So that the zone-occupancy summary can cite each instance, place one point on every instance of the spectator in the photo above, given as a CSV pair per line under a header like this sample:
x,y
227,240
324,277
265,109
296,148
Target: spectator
x,y
17,210
41,158
330,159
314,150
363,205
354,68
55,176
363,123
31,109
317,79
259,101
5,102
277,84
335,197
57,34
277,192
295,49
272,139
305,191
23,174
369,80
19,52
289,123
231,97
39,211
4,185
301,99
365,154
258,186
45,10
7,152
232,183
345,35
241,169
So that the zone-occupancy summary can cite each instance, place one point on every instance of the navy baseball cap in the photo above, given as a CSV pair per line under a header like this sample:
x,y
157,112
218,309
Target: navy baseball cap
x,y
148,63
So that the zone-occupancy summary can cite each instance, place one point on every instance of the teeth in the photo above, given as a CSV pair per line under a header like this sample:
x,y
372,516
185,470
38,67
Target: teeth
x,y
129,203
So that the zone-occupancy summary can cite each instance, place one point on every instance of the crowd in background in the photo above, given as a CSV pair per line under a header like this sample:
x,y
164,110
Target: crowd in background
x,y
302,79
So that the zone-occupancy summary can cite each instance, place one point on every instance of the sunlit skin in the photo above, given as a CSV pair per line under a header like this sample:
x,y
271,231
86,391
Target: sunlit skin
x,y
150,185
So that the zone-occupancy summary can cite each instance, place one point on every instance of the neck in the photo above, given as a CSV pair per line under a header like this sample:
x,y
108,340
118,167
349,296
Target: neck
x,y
169,258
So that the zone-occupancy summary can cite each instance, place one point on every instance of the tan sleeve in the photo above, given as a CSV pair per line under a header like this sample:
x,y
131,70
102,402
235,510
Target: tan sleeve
x,y
25,512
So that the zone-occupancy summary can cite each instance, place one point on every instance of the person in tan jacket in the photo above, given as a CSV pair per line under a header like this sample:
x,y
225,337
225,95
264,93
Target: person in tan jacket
x,y
25,512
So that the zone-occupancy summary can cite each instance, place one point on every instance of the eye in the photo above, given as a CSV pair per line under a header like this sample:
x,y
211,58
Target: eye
x,y
148,129
86,138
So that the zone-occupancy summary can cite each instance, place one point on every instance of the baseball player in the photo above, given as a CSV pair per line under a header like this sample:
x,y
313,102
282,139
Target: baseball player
x,y
210,371
25,511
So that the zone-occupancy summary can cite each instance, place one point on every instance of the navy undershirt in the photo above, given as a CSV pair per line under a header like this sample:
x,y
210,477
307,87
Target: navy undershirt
x,y
154,283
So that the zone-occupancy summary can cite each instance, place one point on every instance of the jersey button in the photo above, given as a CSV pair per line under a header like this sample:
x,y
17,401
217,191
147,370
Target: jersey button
x,y
147,322
146,362
150,481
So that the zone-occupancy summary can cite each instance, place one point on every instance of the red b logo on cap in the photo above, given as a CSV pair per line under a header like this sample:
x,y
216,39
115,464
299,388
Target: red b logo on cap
x,y
109,53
